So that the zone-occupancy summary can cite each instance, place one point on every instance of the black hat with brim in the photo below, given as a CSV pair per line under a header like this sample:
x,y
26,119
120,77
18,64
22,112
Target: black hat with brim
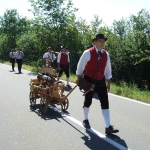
x,y
99,36
49,47
63,47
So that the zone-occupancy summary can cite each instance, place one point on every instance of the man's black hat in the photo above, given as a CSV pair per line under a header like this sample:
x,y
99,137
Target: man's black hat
x,y
99,36
49,47
89,46
63,47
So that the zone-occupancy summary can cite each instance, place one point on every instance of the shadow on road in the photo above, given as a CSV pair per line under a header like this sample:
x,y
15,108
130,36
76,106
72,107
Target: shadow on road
x,y
49,115
32,74
117,139
68,88
93,141
18,73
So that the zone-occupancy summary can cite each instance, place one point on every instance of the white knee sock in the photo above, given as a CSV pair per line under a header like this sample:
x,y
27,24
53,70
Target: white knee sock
x,y
67,80
106,116
85,112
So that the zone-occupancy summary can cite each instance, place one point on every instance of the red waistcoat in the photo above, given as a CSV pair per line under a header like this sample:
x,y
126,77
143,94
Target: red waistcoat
x,y
64,59
92,64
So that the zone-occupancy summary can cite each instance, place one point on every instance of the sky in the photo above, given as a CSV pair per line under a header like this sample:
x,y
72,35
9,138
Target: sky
x,y
107,10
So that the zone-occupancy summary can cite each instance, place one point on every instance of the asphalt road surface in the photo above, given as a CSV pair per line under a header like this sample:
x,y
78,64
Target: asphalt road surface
x,y
25,128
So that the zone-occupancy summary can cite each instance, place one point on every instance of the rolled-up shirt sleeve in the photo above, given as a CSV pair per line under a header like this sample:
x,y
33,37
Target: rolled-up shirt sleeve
x,y
54,57
22,54
45,55
108,69
82,62
68,58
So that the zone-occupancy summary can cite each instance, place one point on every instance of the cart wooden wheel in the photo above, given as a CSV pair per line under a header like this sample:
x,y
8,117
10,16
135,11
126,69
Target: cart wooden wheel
x,y
32,98
43,104
65,104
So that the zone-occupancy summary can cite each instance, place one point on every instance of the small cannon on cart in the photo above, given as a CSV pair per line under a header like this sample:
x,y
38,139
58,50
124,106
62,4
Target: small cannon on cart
x,y
49,90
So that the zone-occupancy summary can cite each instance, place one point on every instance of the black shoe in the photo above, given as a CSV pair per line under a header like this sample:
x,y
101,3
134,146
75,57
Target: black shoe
x,y
68,85
110,130
80,89
86,124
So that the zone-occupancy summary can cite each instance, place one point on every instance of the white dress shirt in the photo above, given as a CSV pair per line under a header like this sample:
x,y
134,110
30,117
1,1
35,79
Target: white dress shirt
x,y
19,55
59,57
86,56
50,55
12,54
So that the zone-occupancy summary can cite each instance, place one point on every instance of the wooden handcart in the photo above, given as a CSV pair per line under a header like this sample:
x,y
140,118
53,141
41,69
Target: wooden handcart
x,y
49,90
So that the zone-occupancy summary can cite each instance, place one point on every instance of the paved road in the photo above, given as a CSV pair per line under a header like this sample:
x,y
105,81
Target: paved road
x,y
24,128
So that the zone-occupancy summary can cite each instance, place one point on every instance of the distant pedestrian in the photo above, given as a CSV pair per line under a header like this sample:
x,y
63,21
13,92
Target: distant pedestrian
x,y
19,59
12,59
63,61
49,57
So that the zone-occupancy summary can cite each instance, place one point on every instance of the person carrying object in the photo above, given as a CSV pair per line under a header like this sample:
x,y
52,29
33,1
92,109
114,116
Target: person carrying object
x,y
96,61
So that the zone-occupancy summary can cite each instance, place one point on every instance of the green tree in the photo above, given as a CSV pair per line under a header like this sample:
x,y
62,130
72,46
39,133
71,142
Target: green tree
x,y
12,27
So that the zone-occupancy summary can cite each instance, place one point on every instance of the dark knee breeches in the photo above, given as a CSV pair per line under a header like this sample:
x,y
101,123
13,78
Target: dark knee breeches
x,y
102,95
65,69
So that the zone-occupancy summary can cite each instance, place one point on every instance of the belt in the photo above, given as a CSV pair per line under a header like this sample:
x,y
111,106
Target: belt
x,y
94,81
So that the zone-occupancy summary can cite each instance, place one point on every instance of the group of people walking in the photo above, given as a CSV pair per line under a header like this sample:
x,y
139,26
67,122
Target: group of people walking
x,y
16,57
94,66
94,61
63,61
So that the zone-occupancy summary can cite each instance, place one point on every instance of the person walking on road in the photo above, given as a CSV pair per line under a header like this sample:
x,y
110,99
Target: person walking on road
x,y
19,59
92,57
12,59
49,57
63,61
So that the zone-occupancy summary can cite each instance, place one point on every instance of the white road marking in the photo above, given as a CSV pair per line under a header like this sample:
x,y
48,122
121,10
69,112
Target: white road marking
x,y
115,144
136,101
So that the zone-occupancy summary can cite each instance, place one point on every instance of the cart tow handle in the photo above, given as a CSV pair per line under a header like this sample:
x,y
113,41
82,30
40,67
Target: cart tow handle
x,y
70,92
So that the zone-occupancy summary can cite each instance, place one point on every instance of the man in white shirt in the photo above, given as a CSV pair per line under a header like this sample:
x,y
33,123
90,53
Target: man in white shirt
x,y
63,61
49,57
19,58
95,65
12,58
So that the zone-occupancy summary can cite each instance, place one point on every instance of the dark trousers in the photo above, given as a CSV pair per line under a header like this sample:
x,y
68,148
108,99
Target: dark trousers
x,y
101,90
64,68
19,62
13,63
